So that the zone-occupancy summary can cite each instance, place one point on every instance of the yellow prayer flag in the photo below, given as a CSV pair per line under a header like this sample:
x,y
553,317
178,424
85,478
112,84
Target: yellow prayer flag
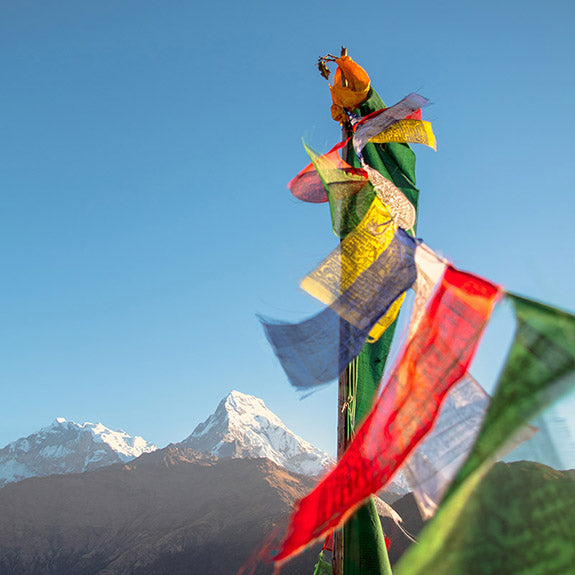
x,y
357,251
408,132
386,320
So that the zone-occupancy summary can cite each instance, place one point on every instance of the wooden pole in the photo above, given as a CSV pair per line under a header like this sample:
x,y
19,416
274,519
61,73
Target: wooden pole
x,y
342,407
342,411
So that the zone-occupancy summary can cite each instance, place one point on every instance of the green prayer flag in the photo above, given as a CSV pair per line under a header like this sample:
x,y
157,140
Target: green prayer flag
x,y
365,550
510,518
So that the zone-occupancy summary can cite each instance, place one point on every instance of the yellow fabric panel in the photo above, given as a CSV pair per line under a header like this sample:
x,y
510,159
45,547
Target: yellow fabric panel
x,y
408,132
353,256
401,209
386,320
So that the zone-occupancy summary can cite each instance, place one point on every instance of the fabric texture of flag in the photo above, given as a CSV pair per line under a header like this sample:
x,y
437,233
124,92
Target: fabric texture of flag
x,y
431,467
376,124
354,255
510,517
316,350
308,186
401,209
432,362
408,132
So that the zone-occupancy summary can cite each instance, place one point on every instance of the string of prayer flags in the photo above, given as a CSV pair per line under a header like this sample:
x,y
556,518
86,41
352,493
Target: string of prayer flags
x,y
529,528
434,360
407,131
400,123
376,123
317,350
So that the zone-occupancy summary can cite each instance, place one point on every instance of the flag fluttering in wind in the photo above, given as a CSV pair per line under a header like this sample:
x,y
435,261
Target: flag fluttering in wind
x,y
431,422
407,131
390,168
374,125
435,359
308,186
315,351
510,518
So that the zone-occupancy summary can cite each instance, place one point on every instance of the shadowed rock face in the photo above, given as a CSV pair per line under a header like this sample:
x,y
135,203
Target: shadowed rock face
x,y
172,511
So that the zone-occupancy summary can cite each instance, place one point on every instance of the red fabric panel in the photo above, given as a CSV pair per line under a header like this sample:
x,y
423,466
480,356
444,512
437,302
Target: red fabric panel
x,y
431,363
328,545
308,186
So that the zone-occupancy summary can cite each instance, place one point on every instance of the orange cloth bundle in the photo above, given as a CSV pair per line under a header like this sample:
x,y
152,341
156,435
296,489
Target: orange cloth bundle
x,y
351,92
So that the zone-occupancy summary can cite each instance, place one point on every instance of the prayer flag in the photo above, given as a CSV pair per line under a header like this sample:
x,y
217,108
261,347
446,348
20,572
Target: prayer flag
x,y
308,185
432,362
401,209
316,350
408,131
510,517
376,124
354,255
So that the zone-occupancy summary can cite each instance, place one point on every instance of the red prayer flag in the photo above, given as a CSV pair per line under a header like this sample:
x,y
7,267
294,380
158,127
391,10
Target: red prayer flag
x,y
432,361
308,185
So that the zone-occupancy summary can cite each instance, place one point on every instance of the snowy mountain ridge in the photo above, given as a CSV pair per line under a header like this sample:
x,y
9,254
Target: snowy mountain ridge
x,y
68,447
242,426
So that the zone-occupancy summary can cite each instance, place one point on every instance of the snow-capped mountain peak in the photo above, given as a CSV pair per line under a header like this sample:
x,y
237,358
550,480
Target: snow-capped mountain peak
x,y
68,447
242,426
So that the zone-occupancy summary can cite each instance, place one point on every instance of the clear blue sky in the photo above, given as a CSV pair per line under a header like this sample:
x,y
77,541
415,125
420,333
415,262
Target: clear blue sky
x,y
144,151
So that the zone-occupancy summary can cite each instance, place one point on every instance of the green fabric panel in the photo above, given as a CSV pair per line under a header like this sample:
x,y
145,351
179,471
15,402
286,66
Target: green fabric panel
x,y
371,363
365,552
536,373
347,213
518,520
501,520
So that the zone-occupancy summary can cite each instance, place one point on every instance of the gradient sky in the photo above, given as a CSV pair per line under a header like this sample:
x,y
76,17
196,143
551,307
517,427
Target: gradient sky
x,y
144,217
